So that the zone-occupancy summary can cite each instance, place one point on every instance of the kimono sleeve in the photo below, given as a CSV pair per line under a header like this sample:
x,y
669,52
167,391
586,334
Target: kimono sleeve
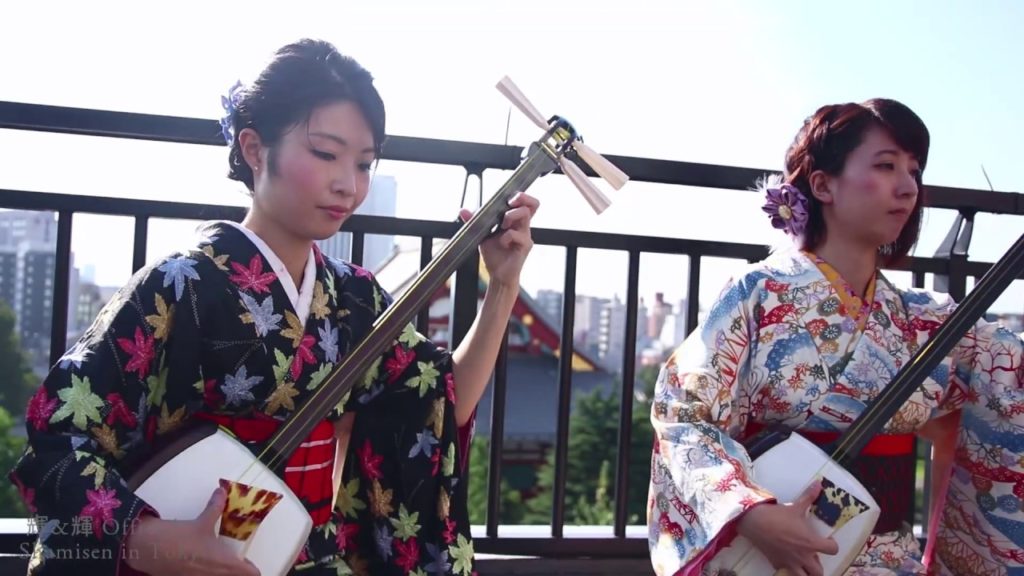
x,y
700,476
978,498
95,416
412,361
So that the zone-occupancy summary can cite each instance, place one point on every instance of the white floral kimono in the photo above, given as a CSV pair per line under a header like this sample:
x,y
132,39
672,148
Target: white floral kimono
x,y
788,343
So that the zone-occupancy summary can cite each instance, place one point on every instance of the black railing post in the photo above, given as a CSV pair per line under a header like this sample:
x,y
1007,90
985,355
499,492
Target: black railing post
x,y
465,290
693,293
954,248
139,242
61,288
565,354
426,255
626,406
497,438
358,242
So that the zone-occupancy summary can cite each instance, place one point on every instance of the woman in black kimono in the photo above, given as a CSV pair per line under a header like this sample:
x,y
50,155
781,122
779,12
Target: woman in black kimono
x,y
238,329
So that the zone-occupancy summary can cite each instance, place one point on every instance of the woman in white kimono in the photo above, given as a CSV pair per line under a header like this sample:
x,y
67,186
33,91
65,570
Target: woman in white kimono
x,y
805,339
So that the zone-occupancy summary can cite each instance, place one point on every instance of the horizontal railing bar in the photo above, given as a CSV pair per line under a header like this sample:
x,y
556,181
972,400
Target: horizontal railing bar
x,y
201,131
132,207
162,128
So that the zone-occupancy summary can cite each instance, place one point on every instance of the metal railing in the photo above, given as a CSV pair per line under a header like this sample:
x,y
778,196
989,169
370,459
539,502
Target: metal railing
x,y
950,267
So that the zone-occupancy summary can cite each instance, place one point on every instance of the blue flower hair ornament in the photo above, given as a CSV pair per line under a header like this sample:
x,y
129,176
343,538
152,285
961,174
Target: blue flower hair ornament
x,y
230,103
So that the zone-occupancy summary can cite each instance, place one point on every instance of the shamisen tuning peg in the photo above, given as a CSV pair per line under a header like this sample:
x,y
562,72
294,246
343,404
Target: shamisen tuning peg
x,y
566,137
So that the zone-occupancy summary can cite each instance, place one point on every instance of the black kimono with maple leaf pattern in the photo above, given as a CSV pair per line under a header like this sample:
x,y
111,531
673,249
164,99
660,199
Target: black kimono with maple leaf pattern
x,y
212,330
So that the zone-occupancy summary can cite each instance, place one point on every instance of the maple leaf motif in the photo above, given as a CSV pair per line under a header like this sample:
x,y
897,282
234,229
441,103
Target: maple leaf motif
x,y
41,408
98,473
261,314
444,506
282,396
162,320
303,355
218,260
100,508
348,503
78,402
238,386
319,304
175,271
211,396
119,411
410,337
169,421
369,461
408,553
329,342
380,500
252,278
395,366
448,465
462,553
406,525
426,379
346,538
449,531
295,329
107,439
436,417
141,351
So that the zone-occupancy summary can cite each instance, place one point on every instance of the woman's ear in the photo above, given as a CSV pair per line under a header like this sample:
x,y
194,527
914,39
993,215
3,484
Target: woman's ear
x,y
251,146
821,186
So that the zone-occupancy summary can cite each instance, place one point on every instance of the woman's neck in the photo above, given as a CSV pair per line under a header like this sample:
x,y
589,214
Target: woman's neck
x,y
292,251
854,263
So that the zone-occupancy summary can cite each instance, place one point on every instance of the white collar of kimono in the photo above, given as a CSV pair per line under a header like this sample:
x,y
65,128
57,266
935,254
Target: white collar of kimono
x,y
301,298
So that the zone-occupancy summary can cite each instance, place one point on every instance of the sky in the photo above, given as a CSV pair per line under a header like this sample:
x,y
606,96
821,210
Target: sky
x,y
724,82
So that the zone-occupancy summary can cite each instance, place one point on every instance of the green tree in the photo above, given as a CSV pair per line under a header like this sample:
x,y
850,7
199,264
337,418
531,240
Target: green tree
x,y
11,504
510,508
593,449
17,384
600,509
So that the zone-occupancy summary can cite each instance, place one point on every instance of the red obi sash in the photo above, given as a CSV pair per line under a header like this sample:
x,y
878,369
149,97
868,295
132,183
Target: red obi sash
x,y
309,472
880,445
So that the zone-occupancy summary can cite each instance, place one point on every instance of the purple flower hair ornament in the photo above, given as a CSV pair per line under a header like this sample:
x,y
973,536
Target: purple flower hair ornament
x,y
230,103
786,206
